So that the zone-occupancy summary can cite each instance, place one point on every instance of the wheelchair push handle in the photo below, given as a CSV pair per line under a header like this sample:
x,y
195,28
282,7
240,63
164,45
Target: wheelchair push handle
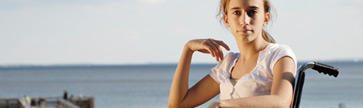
x,y
326,69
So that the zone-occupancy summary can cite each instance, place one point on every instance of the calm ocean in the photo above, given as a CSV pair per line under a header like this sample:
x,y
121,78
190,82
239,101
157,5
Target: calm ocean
x,y
140,86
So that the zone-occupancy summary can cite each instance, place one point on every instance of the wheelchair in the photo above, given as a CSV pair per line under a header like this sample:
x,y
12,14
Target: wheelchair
x,y
300,77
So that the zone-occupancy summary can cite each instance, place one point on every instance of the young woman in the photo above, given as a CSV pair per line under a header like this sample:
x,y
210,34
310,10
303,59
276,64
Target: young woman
x,y
261,75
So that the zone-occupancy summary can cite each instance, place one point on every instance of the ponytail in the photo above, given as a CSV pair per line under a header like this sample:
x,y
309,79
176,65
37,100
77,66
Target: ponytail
x,y
267,37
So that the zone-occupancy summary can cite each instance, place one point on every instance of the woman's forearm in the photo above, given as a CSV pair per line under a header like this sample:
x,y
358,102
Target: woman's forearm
x,y
179,85
266,101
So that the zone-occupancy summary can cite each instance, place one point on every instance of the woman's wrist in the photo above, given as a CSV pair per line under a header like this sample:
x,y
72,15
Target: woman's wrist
x,y
187,50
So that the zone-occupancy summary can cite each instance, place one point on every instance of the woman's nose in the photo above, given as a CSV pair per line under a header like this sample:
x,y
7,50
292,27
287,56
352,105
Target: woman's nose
x,y
245,19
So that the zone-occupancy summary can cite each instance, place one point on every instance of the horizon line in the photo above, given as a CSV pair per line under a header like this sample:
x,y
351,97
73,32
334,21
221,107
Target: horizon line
x,y
148,64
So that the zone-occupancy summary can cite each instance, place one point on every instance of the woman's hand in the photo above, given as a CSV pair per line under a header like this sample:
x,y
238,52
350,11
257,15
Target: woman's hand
x,y
210,46
215,104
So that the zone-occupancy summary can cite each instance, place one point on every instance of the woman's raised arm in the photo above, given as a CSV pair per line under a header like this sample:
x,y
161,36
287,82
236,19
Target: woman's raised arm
x,y
205,89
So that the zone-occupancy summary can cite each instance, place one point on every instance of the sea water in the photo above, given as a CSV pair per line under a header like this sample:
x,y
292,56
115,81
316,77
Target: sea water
x,y
147,86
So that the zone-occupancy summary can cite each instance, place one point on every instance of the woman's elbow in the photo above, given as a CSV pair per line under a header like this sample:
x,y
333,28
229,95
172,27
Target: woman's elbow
x,y
174,105
283,103
178,105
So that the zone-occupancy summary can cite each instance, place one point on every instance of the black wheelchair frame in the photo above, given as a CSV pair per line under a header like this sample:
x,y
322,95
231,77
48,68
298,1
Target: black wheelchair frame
x,y
300,77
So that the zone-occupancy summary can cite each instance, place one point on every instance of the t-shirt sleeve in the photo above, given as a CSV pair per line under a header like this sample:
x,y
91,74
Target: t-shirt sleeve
x,y
214,71
283,51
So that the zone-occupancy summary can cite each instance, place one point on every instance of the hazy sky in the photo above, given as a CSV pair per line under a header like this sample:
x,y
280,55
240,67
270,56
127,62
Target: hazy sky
x,y
154,31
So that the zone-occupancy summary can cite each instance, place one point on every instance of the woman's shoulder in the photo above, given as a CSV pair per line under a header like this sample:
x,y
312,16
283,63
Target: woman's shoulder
x,y
279,48
224,65
231,56
276,46
277,51
228,60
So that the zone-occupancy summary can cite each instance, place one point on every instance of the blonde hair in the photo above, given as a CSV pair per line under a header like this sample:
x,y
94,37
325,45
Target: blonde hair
x,y
223,5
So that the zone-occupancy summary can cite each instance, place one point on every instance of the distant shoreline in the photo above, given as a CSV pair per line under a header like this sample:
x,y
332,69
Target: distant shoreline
x,y
99,65
143,65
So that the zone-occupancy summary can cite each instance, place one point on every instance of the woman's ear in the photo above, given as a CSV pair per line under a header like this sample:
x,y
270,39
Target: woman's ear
x,y
225,20
267,18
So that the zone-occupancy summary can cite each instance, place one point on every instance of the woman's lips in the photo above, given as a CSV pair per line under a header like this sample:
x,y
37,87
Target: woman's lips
x,y
244,31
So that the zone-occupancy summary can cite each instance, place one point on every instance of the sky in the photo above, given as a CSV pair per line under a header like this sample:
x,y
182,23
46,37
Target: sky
x,y
155,31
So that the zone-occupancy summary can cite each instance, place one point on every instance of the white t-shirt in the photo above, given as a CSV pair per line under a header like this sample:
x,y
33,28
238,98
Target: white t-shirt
x,y
258,81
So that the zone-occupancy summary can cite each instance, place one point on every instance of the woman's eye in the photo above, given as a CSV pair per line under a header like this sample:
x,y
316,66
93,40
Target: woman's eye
x,y
237,12
251,13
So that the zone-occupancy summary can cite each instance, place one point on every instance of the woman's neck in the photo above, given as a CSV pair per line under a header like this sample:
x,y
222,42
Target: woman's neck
x,y
251,49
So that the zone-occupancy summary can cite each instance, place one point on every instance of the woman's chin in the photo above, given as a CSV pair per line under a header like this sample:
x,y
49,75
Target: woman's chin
x,y
245,38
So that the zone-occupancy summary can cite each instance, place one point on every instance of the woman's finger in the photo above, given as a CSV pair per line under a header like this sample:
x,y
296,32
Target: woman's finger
x,y
212,48
221,53
210,51
223,44
219,50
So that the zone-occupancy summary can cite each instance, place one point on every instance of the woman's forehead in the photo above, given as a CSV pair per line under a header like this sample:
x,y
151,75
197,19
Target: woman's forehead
x,y
245,3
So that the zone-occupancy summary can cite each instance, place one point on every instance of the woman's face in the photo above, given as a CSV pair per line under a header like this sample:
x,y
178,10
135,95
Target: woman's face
x,y
245,18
